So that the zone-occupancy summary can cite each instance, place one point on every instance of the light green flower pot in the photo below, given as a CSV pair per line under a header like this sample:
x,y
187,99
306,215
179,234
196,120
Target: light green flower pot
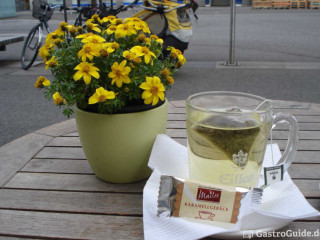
x,y
118,146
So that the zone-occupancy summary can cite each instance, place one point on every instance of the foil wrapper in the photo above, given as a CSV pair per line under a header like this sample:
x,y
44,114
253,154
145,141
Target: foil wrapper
x,y
187,198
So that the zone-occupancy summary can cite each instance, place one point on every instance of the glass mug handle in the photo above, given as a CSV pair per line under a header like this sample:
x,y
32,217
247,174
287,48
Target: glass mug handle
x,y
292,143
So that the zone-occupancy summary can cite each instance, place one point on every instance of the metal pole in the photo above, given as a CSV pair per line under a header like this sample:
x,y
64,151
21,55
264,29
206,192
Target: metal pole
x,y
65,11
231,61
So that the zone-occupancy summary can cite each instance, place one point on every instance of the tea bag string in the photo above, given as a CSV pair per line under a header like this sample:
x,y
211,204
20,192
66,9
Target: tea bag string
x,y
256,109
261,104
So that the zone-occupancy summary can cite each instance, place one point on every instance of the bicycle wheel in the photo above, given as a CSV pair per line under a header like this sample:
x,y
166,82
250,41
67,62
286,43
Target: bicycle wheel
x,y
157,23
31,47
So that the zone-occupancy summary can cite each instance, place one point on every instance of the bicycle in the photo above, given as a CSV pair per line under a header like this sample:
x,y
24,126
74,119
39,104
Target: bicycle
x,y
42,11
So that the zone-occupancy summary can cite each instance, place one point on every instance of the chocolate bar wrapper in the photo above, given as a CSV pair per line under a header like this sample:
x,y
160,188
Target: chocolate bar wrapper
x,y
191,199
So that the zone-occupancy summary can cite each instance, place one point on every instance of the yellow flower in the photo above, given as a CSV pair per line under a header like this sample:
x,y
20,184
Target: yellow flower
x,y
153,90
170,80
119,73
85,35
143,51
166,72
95,18
80,29
54,35
44,51
117,21
176,53
101,95
52,62
129,55
58,100
141,37
111,29
179,64
58,42
63,26
139,24
88,51
41,82
86,70
148,41
92,26
157,39
93,38
72,30
104,52
137,60
125,29
111,47
112,19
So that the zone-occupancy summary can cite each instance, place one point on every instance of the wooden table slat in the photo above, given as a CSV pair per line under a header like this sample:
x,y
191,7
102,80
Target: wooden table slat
x,y
76,202
58,166
69,182
71,226
61,152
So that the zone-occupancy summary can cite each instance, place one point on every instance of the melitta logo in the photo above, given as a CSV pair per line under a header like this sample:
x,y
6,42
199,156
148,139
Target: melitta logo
x,y
210,195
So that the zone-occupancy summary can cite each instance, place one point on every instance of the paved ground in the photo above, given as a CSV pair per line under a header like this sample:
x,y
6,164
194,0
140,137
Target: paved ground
x,y
278,52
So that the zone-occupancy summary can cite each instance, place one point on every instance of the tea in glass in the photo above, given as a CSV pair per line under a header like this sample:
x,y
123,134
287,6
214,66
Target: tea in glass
x,y
227,150
228,134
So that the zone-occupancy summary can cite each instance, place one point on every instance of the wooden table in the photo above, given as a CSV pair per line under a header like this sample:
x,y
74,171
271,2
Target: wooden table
x,y
47,189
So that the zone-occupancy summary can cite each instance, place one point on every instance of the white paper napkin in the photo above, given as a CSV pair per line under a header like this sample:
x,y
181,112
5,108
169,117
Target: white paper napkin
x,y
282,202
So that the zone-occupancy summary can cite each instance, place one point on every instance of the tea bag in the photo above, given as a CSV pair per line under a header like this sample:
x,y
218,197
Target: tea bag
x,y
233,136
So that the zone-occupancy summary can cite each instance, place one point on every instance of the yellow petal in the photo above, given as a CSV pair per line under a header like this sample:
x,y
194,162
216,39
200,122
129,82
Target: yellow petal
x,y
161,87
144,86
93,99
147,58
46,83
146,94
118,82
110,95
123,63
111,75
87,78
161,95
155,100
156,80
100,91
126,70
126,79
95,74
148,100
78,75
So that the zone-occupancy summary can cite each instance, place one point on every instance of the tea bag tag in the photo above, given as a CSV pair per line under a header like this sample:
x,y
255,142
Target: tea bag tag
x,y
273,174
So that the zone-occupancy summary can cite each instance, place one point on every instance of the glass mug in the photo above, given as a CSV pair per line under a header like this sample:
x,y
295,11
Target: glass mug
x,y
228,134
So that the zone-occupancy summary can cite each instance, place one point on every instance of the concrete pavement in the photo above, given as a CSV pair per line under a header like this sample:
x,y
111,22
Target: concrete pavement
x,y
278,52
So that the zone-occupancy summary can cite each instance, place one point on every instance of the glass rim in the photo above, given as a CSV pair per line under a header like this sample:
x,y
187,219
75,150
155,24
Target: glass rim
x,y
231,93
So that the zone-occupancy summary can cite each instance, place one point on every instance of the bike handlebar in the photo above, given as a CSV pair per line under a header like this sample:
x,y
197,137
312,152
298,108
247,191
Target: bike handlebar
x,y
165,9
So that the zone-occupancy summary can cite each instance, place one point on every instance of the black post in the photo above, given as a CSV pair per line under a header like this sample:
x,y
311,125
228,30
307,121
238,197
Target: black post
x,y
65,11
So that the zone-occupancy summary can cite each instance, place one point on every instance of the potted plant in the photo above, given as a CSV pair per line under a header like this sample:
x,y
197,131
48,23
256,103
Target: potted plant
x,y
113,75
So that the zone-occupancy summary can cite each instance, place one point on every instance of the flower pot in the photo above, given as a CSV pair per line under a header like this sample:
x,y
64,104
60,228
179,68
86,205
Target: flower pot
x,y
118,146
